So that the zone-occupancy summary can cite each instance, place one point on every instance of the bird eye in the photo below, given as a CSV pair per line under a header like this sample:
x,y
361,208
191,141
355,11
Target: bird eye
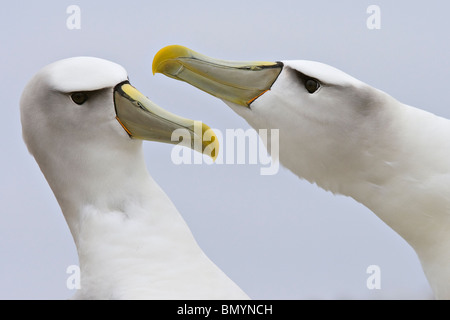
x,y
79,97
312,85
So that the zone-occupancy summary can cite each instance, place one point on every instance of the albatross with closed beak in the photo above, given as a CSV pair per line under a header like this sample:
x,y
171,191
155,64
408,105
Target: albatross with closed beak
x,y
84,124
345,136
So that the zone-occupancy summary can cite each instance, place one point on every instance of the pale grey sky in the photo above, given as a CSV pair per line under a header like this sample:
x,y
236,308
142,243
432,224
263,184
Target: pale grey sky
x,y
277,236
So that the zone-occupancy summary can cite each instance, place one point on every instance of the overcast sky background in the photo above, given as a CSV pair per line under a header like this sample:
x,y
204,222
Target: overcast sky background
x,y
278,237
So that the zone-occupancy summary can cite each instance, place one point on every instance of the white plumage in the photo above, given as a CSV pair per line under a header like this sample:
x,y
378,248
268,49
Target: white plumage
x,y
345,136
132,242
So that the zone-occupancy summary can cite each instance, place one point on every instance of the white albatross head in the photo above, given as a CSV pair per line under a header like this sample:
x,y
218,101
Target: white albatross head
x,y
319,110
91,98
84,123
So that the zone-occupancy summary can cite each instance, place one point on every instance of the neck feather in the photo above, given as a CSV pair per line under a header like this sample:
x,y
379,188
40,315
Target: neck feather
x,y
130,238
406,183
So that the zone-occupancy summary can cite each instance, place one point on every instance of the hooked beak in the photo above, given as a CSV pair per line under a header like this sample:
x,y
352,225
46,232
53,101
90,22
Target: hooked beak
x,y
238,82
143,119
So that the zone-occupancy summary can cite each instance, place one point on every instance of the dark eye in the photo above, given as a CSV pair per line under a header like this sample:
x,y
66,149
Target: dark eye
x,y
79,97
312,85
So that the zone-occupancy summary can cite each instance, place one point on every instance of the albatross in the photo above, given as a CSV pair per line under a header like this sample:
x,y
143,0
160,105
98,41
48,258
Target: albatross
x,y
345,136
84,124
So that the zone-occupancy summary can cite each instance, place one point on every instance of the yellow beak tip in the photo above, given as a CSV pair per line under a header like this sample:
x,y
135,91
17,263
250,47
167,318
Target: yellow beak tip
x,y
154,67
169,53
210,145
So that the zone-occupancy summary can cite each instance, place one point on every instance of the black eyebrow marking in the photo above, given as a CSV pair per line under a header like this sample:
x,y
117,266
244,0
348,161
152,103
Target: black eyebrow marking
x,y
303,77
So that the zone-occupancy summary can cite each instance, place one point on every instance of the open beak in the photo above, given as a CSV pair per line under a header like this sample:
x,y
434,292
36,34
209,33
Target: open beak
x,y
143,119
238,82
